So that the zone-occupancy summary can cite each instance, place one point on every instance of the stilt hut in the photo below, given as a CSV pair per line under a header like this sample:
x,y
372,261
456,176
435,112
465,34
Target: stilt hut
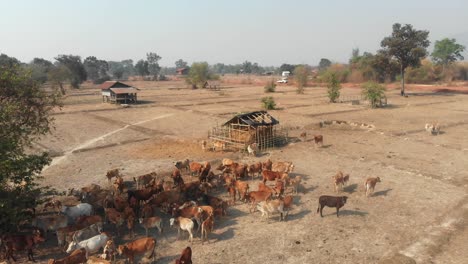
x,y
254,127
118,92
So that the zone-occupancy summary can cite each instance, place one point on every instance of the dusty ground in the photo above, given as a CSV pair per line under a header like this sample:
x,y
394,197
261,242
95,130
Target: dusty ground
x,y
419,209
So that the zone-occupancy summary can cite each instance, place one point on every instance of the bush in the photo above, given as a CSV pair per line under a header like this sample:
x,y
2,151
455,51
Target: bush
x,y
333,87
301,74
270,87
268,103
373,92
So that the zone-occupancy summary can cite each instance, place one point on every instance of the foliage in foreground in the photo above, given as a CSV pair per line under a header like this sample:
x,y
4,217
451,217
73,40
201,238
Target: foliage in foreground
x,y
333,88
373,92
268,103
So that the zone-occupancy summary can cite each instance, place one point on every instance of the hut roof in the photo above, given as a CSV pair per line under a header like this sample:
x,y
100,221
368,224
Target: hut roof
x,y
258,118
113,84
123,90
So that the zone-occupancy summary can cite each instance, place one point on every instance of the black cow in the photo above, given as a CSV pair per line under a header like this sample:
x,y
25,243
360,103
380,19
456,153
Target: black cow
x,y
331,201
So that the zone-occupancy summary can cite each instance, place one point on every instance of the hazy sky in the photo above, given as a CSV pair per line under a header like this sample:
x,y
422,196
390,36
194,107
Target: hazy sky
x,y
269,32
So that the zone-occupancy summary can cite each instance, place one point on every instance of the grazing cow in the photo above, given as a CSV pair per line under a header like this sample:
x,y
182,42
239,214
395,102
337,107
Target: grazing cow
x,y
338,181
76,257
282,166
145,179
183,223
151,222
268,175
112,173
91,245
255,169
87,232
318,139
137,247
73,212
118,184
370,185
219,145
204,145
185,257
257,196
195,168
252,149
50,223
267,165
296,182
331,201
185,164
207,228
22,242
272,206
303,136
56,205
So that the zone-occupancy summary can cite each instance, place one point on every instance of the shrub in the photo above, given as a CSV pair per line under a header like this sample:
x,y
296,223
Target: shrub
x,y
301,74
333,87
373,92
270,87
268,103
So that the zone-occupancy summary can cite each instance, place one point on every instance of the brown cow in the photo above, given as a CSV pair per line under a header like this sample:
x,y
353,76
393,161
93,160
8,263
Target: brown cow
x,y
370,185
183,165
87,220
22,242
338,181
151,222
255,197
115,217
185,257
279,187
255,169
331,201
241,187
112,173
267,165
207,228
195,168
76,257
282,166
145,179
118,184
273,175
318,139
138,247
177,178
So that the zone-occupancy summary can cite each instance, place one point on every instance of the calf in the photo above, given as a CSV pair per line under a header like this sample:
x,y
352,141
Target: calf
x,y
338,181
22,242
183,223
318,139
76,257
370,185
112,173
185,257
331,201
272,206
433,128
185,164
207,228
257,196
151,222
91,245
138,247
255,169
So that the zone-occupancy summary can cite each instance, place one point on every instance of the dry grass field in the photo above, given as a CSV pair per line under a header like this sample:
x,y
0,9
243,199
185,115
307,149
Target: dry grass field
x,y
420,209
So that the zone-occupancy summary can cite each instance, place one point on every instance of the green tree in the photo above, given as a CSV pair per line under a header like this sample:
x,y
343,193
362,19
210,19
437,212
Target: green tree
x,y
247,67
199,73
268,103
181,64
153,64
7,61
287,67
76,68
24,117
301,75
333,87
408,46
324,64
39,69
141,67
96,70
373,92
447,51
58,75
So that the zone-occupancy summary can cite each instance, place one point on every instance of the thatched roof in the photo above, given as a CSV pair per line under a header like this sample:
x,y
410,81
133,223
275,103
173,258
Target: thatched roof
x,y
254,119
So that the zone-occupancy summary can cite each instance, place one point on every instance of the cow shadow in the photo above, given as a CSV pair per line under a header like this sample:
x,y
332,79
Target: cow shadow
x,y
225,235
298,215
326,146
167,259
303,189
350,188
382,193
352,212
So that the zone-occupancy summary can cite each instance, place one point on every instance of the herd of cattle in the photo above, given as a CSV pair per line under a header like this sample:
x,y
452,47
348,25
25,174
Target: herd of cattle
x,y
189,203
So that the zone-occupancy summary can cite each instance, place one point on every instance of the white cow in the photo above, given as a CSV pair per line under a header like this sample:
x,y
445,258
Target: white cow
x,y
73,212
91,245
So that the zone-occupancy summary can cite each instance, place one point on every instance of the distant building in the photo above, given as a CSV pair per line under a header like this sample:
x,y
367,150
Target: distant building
x,y
118,92
182,71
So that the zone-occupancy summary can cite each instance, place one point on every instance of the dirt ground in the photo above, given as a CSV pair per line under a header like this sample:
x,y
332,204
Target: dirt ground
x,y
419,209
